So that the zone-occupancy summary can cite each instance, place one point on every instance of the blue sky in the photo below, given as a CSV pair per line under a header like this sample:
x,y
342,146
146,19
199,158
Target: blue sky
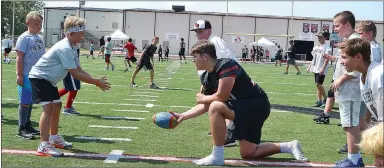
x,y
363,10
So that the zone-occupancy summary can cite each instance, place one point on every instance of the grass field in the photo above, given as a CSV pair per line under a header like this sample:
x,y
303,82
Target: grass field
x,y
189,139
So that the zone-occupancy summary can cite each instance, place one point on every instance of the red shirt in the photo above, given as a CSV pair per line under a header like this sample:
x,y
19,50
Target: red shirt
x,y
131,48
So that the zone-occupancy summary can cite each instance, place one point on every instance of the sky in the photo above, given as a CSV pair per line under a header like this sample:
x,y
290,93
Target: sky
x,y
363,10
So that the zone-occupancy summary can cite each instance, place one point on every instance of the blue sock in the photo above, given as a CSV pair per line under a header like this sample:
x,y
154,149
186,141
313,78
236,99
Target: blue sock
x,y
23,113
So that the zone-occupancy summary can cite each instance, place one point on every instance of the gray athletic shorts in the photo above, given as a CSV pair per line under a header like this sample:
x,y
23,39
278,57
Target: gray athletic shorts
x,y
291,61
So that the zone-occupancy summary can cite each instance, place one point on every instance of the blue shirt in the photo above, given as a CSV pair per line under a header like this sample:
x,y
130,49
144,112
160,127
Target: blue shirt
x,y
33,48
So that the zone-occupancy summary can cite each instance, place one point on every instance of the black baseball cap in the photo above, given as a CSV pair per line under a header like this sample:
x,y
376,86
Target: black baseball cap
x,y
322,34
202,25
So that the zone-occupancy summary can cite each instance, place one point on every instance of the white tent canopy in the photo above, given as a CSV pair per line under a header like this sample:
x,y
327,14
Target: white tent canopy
x,y
266,44
118,35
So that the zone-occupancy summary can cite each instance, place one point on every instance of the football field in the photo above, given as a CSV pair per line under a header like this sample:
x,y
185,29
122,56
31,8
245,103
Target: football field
x,y
120,120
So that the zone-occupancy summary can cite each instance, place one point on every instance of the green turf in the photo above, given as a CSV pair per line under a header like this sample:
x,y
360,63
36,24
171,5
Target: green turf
x,y
189,139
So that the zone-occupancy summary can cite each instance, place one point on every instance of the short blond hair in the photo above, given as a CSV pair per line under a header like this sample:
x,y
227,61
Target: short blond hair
x,y
372,140
33,15
367,26
73,21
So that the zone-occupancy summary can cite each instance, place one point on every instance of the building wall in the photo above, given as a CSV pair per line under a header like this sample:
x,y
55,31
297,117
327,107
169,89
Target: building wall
x,y
298,27
238,25
54,18
216,23
172,23
140,26
273,27
103,23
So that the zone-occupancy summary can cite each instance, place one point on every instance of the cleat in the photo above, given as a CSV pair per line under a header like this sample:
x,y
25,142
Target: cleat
x,y
317,104
59,142
348,163
48,150
23,133
133,85
297,152
153,86
30,129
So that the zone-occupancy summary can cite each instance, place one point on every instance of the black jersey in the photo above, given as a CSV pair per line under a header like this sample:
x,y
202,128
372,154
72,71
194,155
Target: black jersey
x,y
148,53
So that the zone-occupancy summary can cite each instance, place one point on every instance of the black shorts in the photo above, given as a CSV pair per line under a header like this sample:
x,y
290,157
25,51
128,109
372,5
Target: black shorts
x,y
244,55
7,50
133,59
91,52
278,57
70,83
331,94
182,52
148,66
319,79
166,54
250,115
107,58
43,92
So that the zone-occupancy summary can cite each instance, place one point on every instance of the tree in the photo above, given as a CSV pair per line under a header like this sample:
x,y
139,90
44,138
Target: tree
x,y
22,8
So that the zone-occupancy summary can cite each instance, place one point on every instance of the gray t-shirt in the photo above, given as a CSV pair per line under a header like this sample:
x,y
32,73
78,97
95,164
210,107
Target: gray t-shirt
x,y
33,48
54,65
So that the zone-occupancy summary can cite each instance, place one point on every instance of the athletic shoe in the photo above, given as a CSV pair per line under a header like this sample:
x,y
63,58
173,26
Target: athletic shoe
x,y
297,152
343,150
133,85
126,70
59,142
285,73
113,67
70,110
153,86
229,138
317,104
322,119
348,163
48,150
23,133
298,73
30,130
339,125
106,68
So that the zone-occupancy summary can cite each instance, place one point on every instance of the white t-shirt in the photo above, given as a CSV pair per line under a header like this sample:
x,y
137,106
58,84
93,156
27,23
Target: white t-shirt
x,y
372,90
6,43
222,50
53,66
376,54
318,59
349,90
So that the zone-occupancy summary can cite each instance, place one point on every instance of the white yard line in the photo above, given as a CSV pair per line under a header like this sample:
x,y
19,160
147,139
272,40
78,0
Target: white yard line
x,y
103,139
138,111
106,126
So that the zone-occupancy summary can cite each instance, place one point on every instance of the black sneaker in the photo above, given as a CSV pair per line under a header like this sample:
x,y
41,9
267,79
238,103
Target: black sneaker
x,y
22,133
229,138
339,125
317,104
285,73
343,150
30,130
153,86
323,120
319,117
298,73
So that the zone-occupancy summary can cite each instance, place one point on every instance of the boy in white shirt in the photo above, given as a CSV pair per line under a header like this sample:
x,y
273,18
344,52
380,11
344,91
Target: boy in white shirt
x,y
320,66
356,57
347,92
367,30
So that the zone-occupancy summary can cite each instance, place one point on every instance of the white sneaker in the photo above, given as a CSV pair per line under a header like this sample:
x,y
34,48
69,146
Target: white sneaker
x,y
297,152
48,150
59,142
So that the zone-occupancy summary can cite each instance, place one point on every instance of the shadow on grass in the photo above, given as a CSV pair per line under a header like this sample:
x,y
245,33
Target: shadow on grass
x,y
15,105
73,138
304,110
181,89
6,121
112,117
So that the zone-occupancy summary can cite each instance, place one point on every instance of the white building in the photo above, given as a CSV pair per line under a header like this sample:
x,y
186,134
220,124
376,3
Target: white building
x,y
143,24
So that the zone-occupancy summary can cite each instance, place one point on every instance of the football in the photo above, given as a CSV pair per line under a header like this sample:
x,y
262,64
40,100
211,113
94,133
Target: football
x,y
165,120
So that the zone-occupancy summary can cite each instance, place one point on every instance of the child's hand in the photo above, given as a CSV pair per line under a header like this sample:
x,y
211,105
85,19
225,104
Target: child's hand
x,y
179,117
103,84
20,80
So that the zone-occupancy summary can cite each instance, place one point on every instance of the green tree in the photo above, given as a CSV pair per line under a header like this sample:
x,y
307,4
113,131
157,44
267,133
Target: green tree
x,y
22,8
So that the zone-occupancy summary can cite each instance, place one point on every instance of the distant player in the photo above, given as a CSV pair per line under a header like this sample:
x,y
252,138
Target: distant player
x,y
166,53
91,49
182,50
319,66
160,53
108,53
227,92
29,49
102,47
6,46
145,60
244,53
278,55
130,54
292,58
51,68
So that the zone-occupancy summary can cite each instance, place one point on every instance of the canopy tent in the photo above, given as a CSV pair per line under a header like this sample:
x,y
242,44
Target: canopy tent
x,y
118,35
266,44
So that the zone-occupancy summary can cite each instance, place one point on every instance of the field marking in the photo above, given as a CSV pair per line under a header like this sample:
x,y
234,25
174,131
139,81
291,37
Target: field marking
x,y
148,89
103,139
117,117
177,159
143,96
305,94
138,111
114,156
106,126
149,105
180,106
119,104
141,100
147,92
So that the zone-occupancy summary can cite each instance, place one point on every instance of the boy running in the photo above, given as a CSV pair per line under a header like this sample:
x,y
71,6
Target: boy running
x,y
227,92
182,50
145,60
292,58
91,49
130,54
44,76
319,66
6,45
29,49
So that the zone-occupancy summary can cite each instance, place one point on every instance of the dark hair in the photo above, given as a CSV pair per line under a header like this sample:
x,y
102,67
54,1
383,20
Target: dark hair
x,y
204,47
109,39
130,40
182,39
356,46
346,17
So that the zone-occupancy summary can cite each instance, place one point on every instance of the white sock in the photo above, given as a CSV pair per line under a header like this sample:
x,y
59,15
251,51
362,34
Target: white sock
x,y
43,143
216,158
218,151
354,157
286,147
54,136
